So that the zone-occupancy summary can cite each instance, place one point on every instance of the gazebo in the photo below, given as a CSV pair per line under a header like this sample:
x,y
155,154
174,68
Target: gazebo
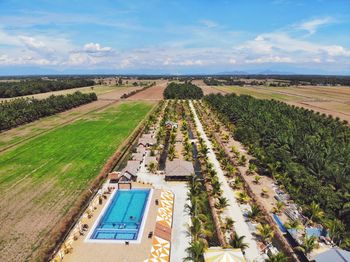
x,y
218,254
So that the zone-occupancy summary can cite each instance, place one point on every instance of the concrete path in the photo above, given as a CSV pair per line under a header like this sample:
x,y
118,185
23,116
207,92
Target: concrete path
x,y
233,210
179,237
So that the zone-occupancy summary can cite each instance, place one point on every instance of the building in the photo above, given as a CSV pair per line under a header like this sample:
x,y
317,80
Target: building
x,y
137,157
171,124
333,255
146,140
178,170
149,159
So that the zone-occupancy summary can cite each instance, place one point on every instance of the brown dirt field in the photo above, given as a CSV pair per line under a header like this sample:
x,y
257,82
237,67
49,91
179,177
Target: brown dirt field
x,y
21,134
206,89
153,93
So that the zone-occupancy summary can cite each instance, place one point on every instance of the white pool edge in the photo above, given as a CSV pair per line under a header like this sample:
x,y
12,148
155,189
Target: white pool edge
x,y
114,241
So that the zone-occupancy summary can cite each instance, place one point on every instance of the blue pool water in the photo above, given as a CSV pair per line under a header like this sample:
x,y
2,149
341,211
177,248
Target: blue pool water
x,y
123,217
279,223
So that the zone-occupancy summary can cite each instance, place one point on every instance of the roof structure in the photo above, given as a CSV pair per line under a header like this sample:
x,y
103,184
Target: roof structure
x,y
141,150
178,168
334,255
147,141
137,157
131,167
218,254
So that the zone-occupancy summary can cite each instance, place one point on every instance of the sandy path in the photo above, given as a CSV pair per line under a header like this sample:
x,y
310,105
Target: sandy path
x,y
233,210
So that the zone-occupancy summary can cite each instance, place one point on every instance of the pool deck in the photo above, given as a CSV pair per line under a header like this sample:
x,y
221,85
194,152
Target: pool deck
x,y
91,252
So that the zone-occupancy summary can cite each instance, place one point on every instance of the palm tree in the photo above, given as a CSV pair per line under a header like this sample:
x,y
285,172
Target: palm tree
x,y
316,213
255,212
243,197
335,228
251,169
195,251
278,208
229,222
265,232
152,167
237,183
257,179
294,224
238,241
278,257
221,204
171,152
309,244
242,160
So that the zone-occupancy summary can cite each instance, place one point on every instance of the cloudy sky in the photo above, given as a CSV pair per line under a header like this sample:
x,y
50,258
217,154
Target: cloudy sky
x,y
174,36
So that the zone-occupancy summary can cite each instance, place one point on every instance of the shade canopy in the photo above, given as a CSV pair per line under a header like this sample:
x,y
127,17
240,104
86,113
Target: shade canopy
x,y
218,254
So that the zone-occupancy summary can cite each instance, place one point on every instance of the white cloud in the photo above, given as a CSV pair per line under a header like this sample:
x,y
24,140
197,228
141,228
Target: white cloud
x,y
312,25
269,59
96,48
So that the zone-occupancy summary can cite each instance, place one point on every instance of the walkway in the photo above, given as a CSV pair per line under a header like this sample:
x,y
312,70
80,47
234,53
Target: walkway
x,y
179,237
233,210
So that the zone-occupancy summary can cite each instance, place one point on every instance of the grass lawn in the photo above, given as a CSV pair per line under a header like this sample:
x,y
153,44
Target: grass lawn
x,y
41,179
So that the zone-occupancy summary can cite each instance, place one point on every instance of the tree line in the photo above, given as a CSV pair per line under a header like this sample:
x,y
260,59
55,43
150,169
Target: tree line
x,y
182,91
308,153
36,86
25,110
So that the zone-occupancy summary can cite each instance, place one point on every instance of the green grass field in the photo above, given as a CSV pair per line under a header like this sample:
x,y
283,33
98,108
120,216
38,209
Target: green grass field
x,y
47,174
85,145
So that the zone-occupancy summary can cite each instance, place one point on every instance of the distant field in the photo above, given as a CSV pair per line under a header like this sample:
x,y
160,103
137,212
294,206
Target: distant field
x,y
333,101
40,179
98,89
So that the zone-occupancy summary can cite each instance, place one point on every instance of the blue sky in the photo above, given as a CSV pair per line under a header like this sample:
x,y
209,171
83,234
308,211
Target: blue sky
x,y
176,37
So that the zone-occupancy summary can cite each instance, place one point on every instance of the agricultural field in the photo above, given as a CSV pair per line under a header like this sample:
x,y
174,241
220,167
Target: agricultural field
x,y
333,101
41,178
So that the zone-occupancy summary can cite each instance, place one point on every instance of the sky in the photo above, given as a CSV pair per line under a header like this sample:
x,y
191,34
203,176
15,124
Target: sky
x,y
174,36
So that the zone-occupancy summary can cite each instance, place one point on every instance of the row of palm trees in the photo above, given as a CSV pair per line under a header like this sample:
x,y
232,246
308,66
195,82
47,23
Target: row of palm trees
x,y
264,231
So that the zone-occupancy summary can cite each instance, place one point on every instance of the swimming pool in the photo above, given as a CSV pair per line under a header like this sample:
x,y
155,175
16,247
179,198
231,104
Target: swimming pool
x,y
122,217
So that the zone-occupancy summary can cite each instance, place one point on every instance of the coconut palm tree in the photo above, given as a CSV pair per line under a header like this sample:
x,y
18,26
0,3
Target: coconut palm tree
x,y
309,244
243,197
335,228
316,213
278,208
221,204
238,241
265,232
278,257
294,224
242,160
171,152
152,167
237,183
257,179
251,169
254,213
195,251
229,222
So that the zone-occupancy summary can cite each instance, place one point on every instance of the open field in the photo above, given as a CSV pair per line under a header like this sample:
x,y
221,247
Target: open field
x,y
153,93
98,89
333,101
41,179
23,133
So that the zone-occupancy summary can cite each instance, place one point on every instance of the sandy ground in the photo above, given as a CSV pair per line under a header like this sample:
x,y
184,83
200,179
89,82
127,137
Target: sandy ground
x,y
207,89
233,210
153,93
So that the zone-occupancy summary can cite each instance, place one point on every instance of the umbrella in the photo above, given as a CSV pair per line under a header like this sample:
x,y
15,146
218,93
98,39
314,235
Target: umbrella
x,y
223,255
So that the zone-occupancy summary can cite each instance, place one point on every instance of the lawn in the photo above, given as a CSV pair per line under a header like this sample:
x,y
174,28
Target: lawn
x,y
46,174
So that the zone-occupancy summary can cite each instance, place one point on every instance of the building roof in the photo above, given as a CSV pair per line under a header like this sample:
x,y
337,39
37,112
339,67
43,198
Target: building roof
x,y
131,167
179,167
147,141
147,136
113,175
137,156
334,255
215,254
149,159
